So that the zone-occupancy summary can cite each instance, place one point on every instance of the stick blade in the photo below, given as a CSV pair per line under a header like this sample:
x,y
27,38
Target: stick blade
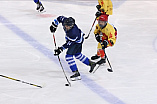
x,y
86,37
110,70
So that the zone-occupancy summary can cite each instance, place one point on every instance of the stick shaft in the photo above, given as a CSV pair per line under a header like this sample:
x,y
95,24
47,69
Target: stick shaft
x,y
90,29
60,60
20,81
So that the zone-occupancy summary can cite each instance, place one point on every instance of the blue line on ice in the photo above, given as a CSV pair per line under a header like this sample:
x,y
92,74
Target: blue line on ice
x,y
100,91
155,44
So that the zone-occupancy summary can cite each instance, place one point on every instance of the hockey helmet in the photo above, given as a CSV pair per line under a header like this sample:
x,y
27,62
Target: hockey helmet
x,y
69,22
103,18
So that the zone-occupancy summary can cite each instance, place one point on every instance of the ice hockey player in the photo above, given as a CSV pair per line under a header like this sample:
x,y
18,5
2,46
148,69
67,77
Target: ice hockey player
x,y
106,36
74,40
40,7
105,7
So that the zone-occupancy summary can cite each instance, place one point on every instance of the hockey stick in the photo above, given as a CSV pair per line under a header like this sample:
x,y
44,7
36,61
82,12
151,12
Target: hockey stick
x,y
109,69
21,81
96,69
90,29
61,63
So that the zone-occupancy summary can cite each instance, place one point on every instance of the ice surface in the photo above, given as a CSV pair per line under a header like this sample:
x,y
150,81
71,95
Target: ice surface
x,y
26,53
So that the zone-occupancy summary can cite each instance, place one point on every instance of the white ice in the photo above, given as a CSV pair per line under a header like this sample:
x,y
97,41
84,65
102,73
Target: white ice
x,y
26,53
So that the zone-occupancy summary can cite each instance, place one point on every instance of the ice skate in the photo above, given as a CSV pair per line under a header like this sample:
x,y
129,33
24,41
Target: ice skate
x,y
102,61
95,57
40,7
92,66
76,76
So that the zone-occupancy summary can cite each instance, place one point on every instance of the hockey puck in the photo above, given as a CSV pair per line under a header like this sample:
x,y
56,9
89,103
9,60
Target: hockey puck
x,y
66,84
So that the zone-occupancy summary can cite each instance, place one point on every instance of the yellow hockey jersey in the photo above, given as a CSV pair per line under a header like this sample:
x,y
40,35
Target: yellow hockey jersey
x,y
106,6
108,33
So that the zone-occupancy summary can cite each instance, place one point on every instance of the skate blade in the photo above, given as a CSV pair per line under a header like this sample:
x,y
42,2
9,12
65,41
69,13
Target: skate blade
x,y
76,78
42,11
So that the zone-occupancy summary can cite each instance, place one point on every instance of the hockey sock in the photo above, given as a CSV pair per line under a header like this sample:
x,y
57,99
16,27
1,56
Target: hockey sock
x,y
101,53
71,62
82,58
37,1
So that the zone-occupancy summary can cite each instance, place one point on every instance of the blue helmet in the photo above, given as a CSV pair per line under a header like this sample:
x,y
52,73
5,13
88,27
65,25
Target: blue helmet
x,y
69,21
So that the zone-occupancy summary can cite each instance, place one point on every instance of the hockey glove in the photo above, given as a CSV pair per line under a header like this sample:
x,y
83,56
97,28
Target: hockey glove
x,y
104,44
53,27
98,7
97,37
58,51
98,13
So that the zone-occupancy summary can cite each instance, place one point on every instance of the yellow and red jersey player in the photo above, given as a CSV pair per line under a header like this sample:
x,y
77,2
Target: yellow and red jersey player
x,y
105,7
106,36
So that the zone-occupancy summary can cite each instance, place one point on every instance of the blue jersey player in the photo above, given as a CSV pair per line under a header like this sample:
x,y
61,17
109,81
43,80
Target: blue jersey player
x,y
74,40
40,7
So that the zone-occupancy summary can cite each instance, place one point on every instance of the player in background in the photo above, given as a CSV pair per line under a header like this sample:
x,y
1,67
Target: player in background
x,y
74,40
105,7
40,7
106,36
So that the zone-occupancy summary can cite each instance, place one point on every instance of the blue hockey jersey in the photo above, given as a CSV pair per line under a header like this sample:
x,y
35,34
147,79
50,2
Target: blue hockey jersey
x,y
73,36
